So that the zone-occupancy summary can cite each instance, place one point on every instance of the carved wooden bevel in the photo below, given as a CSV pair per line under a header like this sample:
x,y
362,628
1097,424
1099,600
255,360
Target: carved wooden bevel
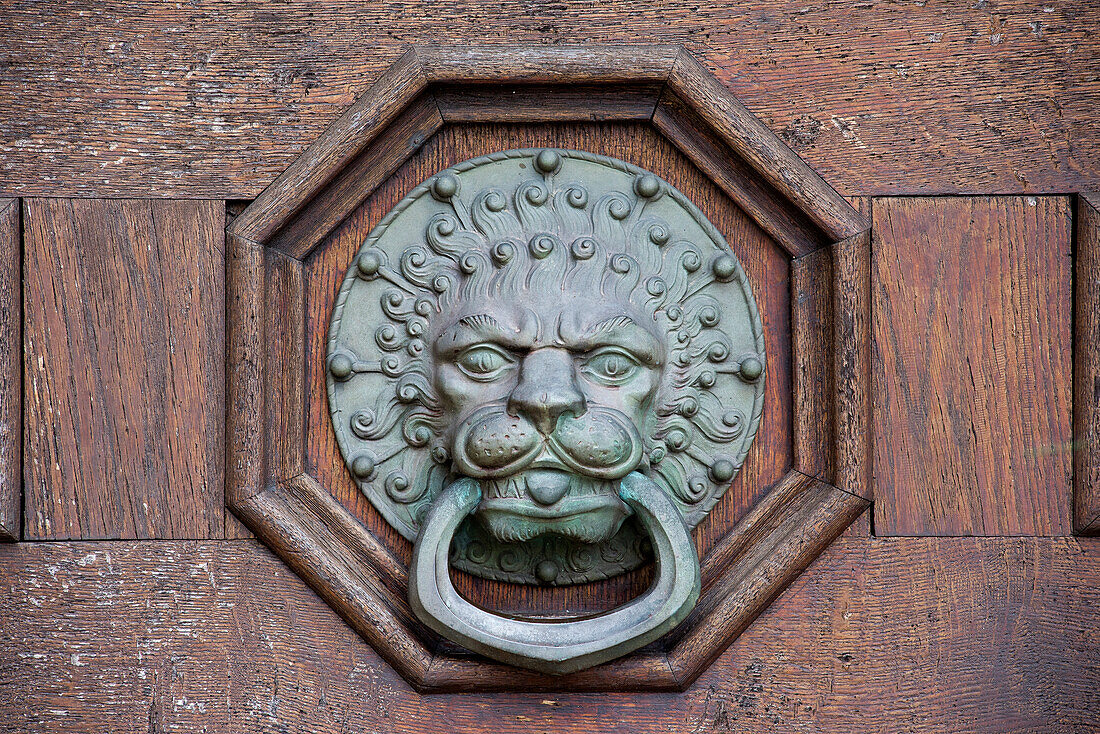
x,y
268,484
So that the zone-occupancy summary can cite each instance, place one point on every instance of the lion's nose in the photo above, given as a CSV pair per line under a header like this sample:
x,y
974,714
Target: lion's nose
x,y
547,389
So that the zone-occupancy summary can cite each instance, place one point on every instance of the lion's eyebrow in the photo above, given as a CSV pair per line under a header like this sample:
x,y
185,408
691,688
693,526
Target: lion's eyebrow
x,y
619,330
611,324
475,328
482,322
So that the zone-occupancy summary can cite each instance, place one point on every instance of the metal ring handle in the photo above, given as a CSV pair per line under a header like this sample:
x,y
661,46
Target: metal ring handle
x,y
556,647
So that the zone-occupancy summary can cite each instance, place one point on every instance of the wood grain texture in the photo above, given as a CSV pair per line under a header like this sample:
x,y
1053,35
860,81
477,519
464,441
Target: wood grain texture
x,y
851,364
246,400
284,339
768,272
144,98
344,140
347,566
366,584
436,83
1086,373
575,102
830,338
772,160
791,228
570,63
772,544
124,367
971,339
11,370
814,429
356,180
895,635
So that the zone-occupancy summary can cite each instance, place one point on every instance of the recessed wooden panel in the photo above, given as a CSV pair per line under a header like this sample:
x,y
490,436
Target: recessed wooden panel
x,y
901,635
1086,395
11,371
766,265
124,368
972,366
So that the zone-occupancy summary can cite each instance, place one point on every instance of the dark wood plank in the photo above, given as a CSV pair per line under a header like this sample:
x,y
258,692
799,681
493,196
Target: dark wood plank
x,y
814,430
244,280
1086,372
245,313
465,102
142,98
769,275
851,268
972,368
124,364
285,341
898,635
11,370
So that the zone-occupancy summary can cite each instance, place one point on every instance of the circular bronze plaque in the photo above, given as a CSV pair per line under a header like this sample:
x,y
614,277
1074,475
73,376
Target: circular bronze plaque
x,y
545,322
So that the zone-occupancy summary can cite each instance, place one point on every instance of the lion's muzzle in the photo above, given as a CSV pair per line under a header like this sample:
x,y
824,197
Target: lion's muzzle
x,y
600,443
565,482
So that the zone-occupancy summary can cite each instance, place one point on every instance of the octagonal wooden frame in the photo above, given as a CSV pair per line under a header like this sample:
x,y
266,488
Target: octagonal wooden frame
x,y
267,484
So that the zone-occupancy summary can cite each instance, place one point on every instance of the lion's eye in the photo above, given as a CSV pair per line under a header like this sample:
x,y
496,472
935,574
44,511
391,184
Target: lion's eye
x,y
483,362
611,366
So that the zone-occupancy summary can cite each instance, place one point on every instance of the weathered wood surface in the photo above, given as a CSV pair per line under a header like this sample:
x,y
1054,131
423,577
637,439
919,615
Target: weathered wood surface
x,y
694,137
154,99
11,370
1086,372
814,432
343,142
972,368
896,635
351,185
771,159
852,361
768,272
124,360
830,342
784,533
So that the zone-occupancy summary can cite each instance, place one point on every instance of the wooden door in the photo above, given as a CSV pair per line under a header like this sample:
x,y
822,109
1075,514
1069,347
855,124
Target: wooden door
x,y
964,598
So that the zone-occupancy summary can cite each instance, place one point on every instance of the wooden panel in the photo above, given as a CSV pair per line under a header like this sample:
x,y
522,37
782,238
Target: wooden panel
x,y
972,366
11,371
124,369
203,100
768,272
572,63
852,358
464,102
830,320
811,347
1086,349
899,635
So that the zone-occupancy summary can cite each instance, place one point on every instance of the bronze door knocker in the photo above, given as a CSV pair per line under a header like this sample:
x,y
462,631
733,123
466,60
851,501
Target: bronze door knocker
x,y
545,367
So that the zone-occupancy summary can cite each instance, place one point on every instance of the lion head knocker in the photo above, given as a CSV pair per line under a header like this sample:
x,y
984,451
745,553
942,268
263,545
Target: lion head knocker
x,y
545,367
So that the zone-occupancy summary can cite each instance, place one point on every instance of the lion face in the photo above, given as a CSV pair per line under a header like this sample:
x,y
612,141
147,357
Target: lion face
x,y
546,323
548,401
